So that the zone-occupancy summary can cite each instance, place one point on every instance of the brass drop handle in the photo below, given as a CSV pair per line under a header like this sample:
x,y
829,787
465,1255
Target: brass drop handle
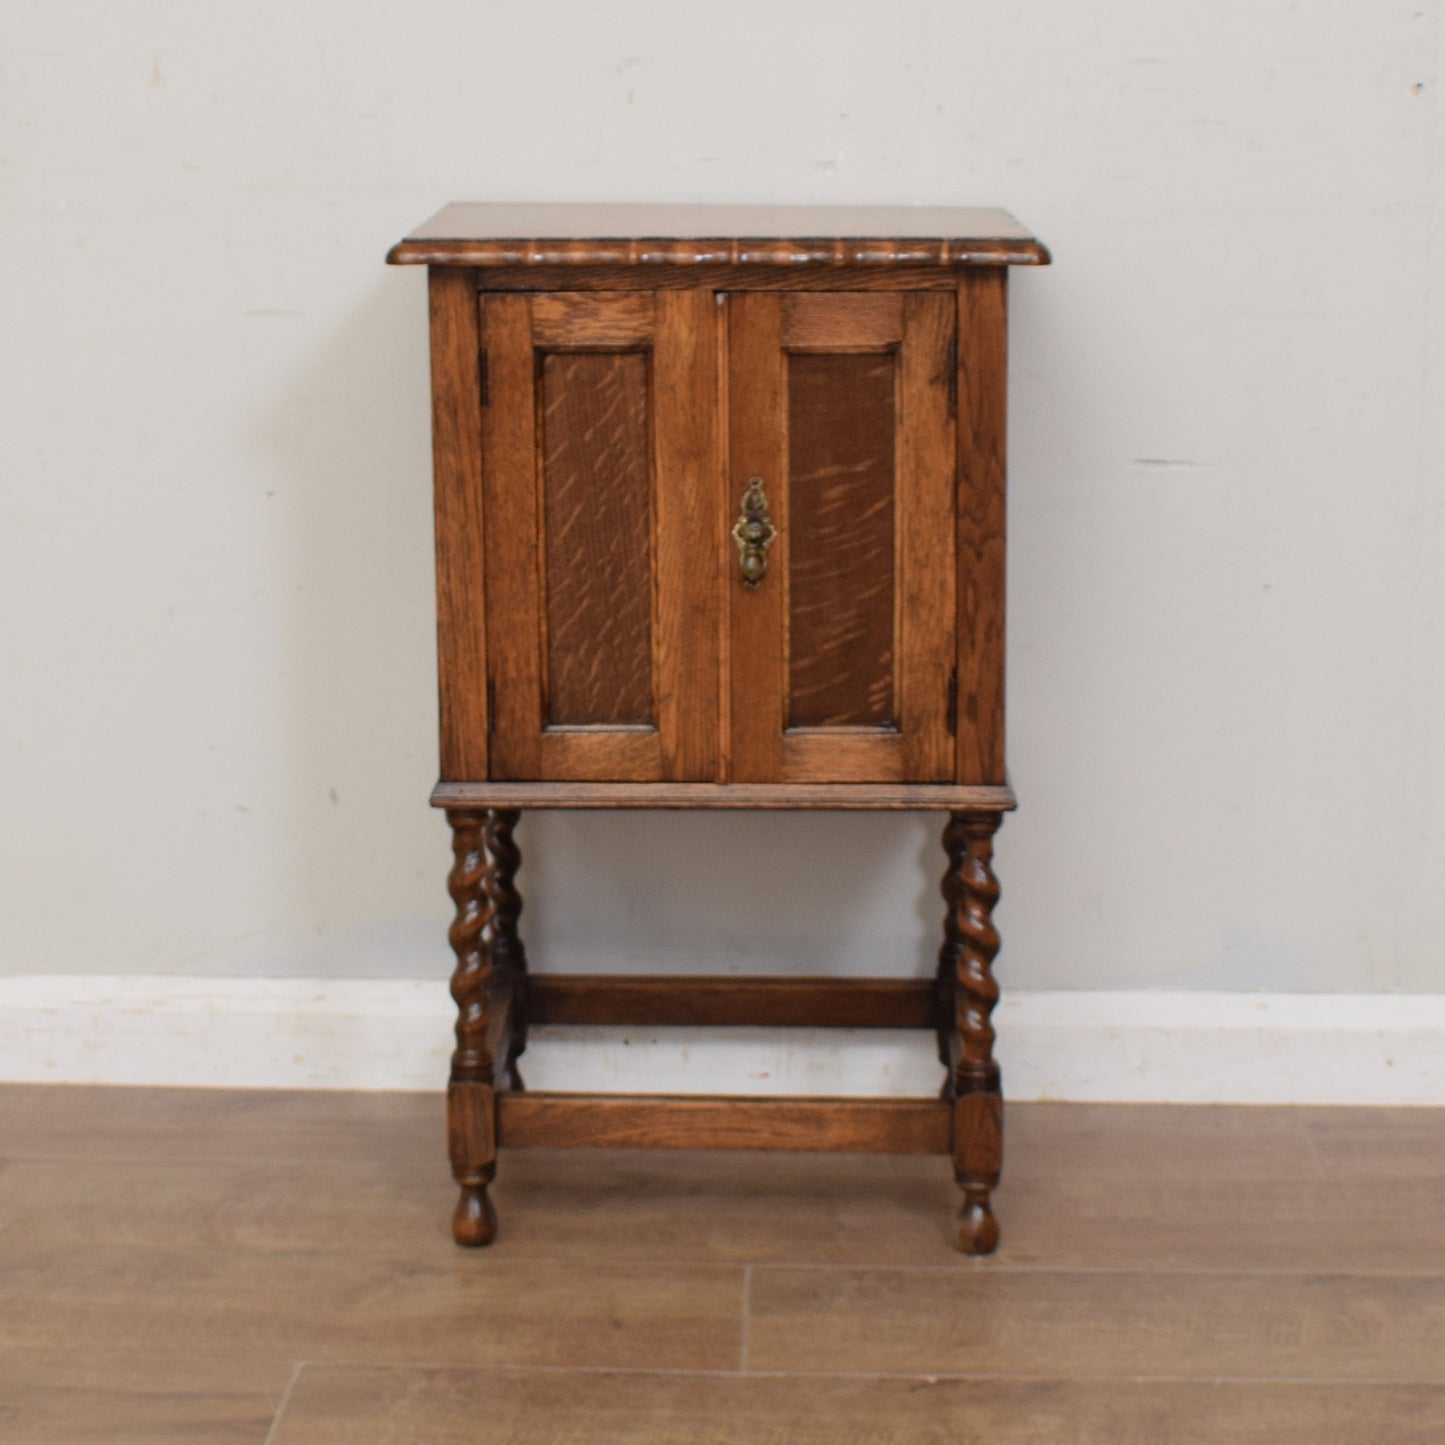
x,y
754,533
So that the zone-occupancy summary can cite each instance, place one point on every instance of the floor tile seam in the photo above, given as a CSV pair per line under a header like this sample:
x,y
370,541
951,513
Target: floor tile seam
x,y
151,1356
744,1314
1333,1381
585,1265
964,1270
1101,1377
963,1267
1321,1170
296,1367
988,1268
1159,1177
190,1161
237,1251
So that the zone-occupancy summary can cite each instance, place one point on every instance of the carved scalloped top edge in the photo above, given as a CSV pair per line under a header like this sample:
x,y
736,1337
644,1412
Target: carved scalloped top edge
x,y
854,251
467,234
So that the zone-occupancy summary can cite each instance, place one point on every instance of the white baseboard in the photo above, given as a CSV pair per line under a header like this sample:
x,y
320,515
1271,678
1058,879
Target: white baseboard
x,y
396,1034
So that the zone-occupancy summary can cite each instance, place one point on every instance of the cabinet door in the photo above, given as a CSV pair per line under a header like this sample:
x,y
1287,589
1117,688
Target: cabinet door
x,y
602,570
841,659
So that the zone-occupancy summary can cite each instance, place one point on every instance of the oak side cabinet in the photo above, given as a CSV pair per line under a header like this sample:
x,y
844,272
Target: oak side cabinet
x,y
719,524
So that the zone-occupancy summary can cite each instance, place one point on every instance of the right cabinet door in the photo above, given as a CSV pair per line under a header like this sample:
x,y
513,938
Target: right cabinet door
x,y
842,653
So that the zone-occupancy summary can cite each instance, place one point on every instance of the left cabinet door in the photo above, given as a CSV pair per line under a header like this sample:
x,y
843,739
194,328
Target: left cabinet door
x,y
601,494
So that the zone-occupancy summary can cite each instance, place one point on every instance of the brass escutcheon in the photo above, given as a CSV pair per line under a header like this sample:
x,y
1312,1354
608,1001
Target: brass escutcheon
x,y
754,533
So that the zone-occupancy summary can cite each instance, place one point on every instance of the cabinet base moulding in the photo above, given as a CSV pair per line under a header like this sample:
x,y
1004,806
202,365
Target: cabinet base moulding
x,y
898,797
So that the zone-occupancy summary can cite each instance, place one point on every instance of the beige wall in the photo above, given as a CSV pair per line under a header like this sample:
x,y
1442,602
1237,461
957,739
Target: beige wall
x,y
1227,683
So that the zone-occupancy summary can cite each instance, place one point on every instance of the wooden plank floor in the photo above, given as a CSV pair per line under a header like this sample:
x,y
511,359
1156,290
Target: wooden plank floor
x,y
276,1269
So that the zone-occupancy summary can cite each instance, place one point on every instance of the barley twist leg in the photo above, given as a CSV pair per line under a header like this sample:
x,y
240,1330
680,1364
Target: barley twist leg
x,y
972,891
471,1099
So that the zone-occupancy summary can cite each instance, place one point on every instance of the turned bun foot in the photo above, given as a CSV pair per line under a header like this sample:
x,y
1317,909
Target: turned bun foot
x,y
977,1227
474,1222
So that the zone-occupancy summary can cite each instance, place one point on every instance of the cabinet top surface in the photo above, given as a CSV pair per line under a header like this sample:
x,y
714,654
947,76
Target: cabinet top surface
x,y
479,234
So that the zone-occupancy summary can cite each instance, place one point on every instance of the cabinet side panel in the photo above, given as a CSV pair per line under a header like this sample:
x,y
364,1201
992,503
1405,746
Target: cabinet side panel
x,y
841,480
598,529
982,391
457,467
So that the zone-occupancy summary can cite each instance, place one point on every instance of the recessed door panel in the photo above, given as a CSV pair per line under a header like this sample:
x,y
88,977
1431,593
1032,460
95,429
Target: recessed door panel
x,y
597,526
599,445
841,494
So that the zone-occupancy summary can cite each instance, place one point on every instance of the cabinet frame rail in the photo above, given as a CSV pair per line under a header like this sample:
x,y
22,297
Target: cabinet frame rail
x,y
728,1002
696,1121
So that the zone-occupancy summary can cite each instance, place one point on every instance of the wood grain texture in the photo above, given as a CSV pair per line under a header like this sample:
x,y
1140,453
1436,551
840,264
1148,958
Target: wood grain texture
x,y
867,323
521,235
1212,1221
442,1304
757,447
597,530
460,531
578,321
801,796
726,494
730,1002
68,1397
1140,1324
401,1405
1137,1142
642,1206
844,756
691,515
841,515
209,1126
514,600
982,549
875,1126
1198,1190
927,462
898,1210
1350,1144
